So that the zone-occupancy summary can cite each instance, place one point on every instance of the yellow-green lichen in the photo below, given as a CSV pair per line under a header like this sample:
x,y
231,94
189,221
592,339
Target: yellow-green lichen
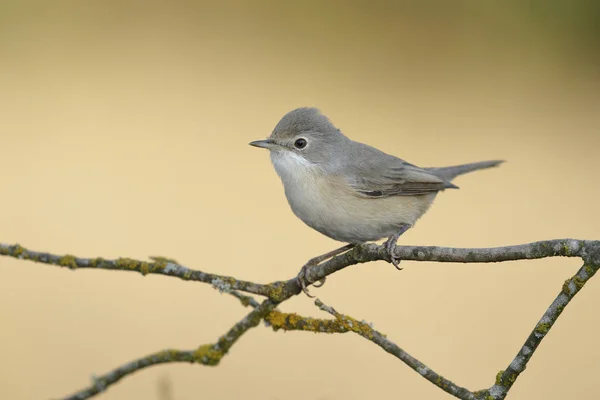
x,y
206,354
168,354
483,394
542,328
245,301
187,275
565,287
156,266
163,355
165,260
130,265
353,325
589,270
67,261
229,280
499,377
144,268
292,321
96,262
18,250
279,320
579,282
275,319
275,291
127,264
160,263
359,253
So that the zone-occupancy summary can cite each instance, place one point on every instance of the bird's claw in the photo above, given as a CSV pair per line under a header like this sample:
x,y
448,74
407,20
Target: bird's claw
x,y
319,283
304,283
316,261
390,248
396,262
393,259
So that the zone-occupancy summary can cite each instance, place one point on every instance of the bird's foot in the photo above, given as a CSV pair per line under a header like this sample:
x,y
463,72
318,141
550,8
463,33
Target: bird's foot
x,y
304,283
390,246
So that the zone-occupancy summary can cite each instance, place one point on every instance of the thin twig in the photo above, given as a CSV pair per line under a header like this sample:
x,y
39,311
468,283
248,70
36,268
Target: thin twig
x,y
208,354
278,320
506,378
160,266
366,331
373,252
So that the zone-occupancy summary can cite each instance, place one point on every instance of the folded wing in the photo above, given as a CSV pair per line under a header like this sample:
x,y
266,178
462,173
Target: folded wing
x,y
372,173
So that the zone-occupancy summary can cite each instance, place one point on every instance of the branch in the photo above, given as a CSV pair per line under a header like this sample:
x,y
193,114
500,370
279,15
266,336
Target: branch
x,y
280,291
160,265
208,354
366,331
283,290
99,384
536,250
278,320
294,322
589,251
505,379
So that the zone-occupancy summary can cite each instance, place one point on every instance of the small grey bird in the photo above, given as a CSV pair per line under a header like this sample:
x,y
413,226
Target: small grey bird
x,y
349,191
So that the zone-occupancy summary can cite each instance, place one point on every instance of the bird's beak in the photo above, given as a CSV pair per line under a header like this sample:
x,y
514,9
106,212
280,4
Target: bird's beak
x,y
265,144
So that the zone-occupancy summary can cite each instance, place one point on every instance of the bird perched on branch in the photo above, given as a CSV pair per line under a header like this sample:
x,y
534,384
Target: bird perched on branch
x,y
349,191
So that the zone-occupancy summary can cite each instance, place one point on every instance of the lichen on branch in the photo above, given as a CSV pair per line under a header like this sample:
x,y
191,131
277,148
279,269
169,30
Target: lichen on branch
x,y
278,292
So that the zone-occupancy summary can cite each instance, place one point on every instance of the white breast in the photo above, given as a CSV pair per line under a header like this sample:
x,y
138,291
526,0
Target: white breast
x,y
302,181
291,166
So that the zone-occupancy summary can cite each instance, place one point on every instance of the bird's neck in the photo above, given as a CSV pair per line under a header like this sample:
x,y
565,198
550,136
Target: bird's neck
x,y
296,172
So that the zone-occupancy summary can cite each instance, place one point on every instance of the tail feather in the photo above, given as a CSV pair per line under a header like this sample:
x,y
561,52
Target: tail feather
x,y
449,173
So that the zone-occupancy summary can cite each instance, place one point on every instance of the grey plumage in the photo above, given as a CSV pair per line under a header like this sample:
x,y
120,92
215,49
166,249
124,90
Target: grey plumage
x,y
348,190
449,173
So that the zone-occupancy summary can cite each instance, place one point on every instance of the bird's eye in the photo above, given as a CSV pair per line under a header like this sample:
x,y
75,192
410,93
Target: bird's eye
x,y
300,143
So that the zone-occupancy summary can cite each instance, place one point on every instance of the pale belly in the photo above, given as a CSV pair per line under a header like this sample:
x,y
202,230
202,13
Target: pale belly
x,y
330,206
335,210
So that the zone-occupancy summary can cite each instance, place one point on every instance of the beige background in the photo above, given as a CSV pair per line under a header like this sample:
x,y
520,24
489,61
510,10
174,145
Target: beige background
x,y
124,130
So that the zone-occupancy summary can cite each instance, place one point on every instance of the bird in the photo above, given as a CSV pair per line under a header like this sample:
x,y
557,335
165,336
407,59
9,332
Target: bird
x,y
349,191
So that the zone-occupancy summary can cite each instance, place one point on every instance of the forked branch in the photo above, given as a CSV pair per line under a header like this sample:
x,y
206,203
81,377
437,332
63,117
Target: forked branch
x,y
278,292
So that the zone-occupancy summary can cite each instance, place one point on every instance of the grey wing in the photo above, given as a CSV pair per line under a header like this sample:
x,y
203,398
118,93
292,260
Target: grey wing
x,y
373,173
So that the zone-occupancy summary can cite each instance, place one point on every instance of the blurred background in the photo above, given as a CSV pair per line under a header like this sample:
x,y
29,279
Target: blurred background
x,y
124,128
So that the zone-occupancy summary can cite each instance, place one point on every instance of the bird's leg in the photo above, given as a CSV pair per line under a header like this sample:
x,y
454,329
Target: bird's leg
x,y
390,245
316,261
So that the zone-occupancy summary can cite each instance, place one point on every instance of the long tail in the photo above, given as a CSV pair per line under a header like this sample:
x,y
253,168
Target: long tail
x,y
449,173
